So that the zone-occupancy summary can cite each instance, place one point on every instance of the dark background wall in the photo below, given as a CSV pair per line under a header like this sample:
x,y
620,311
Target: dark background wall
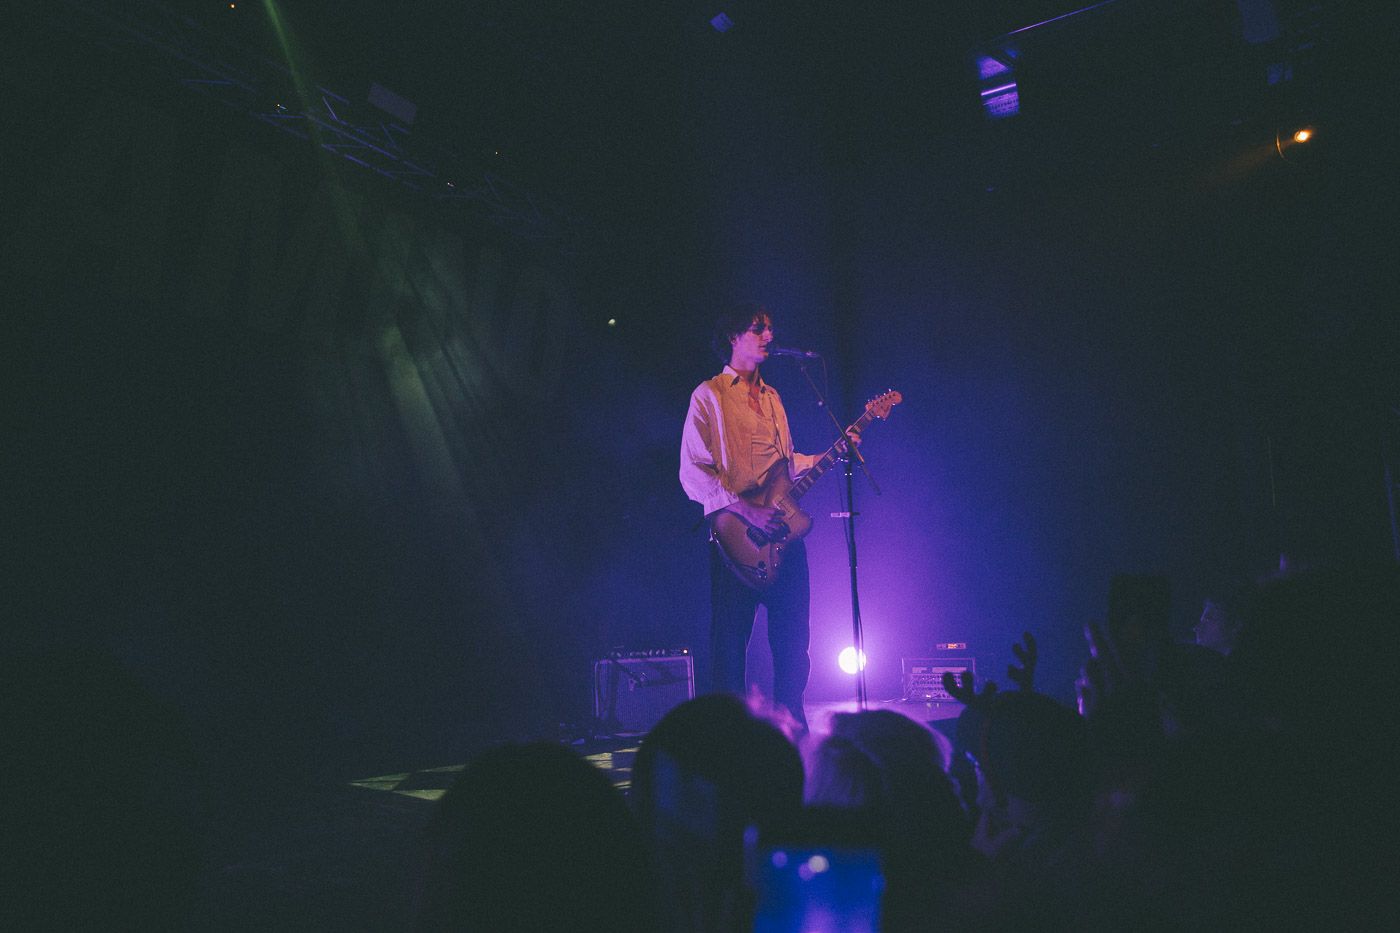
x,y
360,478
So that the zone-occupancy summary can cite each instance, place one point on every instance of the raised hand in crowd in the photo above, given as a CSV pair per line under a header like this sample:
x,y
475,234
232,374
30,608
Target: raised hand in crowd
x,y
965,690
1102,673
1025,650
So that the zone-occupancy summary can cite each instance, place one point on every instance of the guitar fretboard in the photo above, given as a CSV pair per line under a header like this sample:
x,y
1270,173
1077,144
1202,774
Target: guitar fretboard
x,y
828,459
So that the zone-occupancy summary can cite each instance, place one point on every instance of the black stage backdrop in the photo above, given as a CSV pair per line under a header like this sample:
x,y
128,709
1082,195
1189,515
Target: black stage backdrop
x,y
291,440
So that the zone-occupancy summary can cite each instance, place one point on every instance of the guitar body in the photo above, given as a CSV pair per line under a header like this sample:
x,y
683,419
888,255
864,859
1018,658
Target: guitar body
x,y
753,556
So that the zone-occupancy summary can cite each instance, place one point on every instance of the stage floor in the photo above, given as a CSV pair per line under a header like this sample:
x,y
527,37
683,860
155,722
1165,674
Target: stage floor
x,y
614,754
819,714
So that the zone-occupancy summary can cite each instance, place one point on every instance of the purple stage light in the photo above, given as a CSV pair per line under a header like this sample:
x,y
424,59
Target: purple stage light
x,y
996,70
1002,101
989,67
847,660
722,22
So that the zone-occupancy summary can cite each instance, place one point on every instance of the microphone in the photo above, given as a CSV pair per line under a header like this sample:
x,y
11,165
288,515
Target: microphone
x,y
789,351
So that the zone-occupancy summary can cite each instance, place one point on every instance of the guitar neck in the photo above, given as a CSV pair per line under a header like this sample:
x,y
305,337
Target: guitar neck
x,y
827,460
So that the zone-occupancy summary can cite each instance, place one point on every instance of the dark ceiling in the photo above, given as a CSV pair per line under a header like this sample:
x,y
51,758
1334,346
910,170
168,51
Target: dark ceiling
x,y
585,97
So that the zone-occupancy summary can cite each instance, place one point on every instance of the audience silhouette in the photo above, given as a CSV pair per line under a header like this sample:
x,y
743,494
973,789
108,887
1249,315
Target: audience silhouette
x,y
708,771
1190,789
532,837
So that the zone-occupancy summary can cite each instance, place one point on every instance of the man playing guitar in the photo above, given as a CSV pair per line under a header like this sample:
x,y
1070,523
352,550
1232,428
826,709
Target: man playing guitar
x,y
734,440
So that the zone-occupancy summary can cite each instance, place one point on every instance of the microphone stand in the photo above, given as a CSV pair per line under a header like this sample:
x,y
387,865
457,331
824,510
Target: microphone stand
x,y
853,455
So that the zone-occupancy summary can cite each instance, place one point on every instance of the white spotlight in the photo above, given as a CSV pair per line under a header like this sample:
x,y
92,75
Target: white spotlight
x,y
847,660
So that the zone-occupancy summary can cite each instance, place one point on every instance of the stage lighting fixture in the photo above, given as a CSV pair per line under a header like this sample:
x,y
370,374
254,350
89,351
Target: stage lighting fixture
x,y
847,660
1297,144
989,66
996,74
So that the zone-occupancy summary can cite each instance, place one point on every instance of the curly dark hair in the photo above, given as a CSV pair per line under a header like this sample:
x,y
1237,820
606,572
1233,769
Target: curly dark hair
x,y
733,320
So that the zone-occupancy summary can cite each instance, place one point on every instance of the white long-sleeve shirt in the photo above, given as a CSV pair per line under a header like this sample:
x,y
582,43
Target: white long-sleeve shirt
x,y
726,447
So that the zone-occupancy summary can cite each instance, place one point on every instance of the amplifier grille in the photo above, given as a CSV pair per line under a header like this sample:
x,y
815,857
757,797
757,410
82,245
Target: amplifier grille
x,y
923,677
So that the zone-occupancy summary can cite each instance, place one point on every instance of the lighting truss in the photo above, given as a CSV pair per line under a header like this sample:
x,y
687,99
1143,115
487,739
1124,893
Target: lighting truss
x,y
222,70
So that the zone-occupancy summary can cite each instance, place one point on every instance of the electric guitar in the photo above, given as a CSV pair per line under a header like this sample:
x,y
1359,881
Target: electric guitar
x,y
755,556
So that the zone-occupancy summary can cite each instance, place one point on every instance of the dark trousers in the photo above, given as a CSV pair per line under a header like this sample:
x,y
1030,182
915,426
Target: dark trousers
x,y
732,608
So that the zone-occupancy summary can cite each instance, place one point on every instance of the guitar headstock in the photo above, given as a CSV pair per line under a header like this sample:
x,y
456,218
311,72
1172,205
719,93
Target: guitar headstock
x,y
880,405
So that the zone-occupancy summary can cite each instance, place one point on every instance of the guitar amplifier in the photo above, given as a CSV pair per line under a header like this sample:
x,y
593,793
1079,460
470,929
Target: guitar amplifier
x,y
632,692
923,677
